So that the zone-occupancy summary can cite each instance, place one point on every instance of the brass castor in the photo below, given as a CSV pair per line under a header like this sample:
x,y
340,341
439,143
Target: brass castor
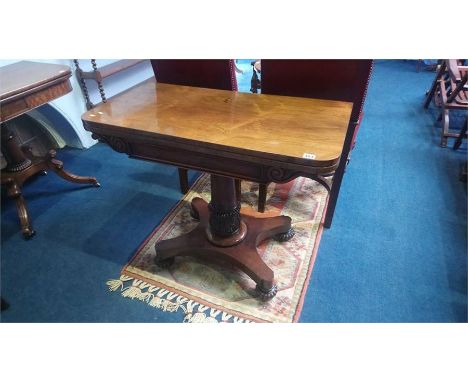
x,y
281,237
266,294
28,233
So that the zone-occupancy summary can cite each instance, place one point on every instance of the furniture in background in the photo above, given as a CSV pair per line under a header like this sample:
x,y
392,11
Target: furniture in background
x,y
463,132
229,135
419,64
24,87
428,65
170,69
449,91
213,74
462,135
340,80
255,83
98,74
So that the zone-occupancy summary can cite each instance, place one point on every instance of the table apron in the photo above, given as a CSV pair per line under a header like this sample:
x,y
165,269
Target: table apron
x,y
24,102
212,161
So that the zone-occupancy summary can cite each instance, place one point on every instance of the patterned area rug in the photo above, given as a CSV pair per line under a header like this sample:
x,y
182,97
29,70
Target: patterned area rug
x,y
211,293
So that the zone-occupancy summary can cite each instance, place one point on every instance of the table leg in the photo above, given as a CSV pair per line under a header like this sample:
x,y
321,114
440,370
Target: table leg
x,y
225,234
57,166
14,191
21,165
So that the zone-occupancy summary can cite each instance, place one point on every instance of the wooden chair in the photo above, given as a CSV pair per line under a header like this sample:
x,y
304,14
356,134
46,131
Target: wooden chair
x,y
214,74
449,91
457,144
99,74
462,134
343,80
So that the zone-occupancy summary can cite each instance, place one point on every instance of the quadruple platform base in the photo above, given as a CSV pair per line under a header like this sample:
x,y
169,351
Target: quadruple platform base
x,y
239,249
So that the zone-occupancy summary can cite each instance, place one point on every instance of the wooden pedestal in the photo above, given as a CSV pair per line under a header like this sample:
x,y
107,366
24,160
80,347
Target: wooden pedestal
x,y
224,234
22,165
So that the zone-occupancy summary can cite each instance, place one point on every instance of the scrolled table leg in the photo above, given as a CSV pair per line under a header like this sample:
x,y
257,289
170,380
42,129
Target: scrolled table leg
x,y
14,192
57,166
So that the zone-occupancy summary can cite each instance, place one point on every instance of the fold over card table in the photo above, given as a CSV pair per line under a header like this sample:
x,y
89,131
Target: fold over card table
x,y
231,135
24,86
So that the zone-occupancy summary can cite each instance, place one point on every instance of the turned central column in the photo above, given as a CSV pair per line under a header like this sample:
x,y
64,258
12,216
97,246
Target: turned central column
x,y
14,156
226,227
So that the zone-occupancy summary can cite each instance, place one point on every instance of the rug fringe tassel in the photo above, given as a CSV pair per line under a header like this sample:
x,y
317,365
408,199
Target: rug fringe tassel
x,y
168,301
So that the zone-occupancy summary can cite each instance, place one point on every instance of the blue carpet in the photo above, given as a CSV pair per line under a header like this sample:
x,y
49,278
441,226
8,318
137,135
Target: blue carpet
x,y
396,251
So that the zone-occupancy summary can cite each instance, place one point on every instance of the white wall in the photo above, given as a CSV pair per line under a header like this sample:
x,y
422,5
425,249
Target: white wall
x,y
72,105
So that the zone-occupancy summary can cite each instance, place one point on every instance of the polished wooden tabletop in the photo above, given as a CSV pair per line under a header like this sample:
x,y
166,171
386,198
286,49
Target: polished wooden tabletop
x,y
23,76
26,85
256,123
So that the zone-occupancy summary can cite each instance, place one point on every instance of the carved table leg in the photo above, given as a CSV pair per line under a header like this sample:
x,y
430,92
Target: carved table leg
x,y
224,234
14,191
16,163
21,165
57,166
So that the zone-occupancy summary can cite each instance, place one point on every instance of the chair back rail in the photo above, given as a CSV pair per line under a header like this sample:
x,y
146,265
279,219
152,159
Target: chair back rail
x,y
341,80
214,74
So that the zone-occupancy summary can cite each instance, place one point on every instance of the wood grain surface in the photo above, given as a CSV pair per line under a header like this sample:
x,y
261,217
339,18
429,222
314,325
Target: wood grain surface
x,y
23,76
306,131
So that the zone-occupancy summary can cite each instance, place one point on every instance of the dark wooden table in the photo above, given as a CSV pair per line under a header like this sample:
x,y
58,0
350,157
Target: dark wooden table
x,y
25,86
231,135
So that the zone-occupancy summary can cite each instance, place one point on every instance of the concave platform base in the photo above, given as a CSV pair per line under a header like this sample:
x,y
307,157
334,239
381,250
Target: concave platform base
x,y
243,253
